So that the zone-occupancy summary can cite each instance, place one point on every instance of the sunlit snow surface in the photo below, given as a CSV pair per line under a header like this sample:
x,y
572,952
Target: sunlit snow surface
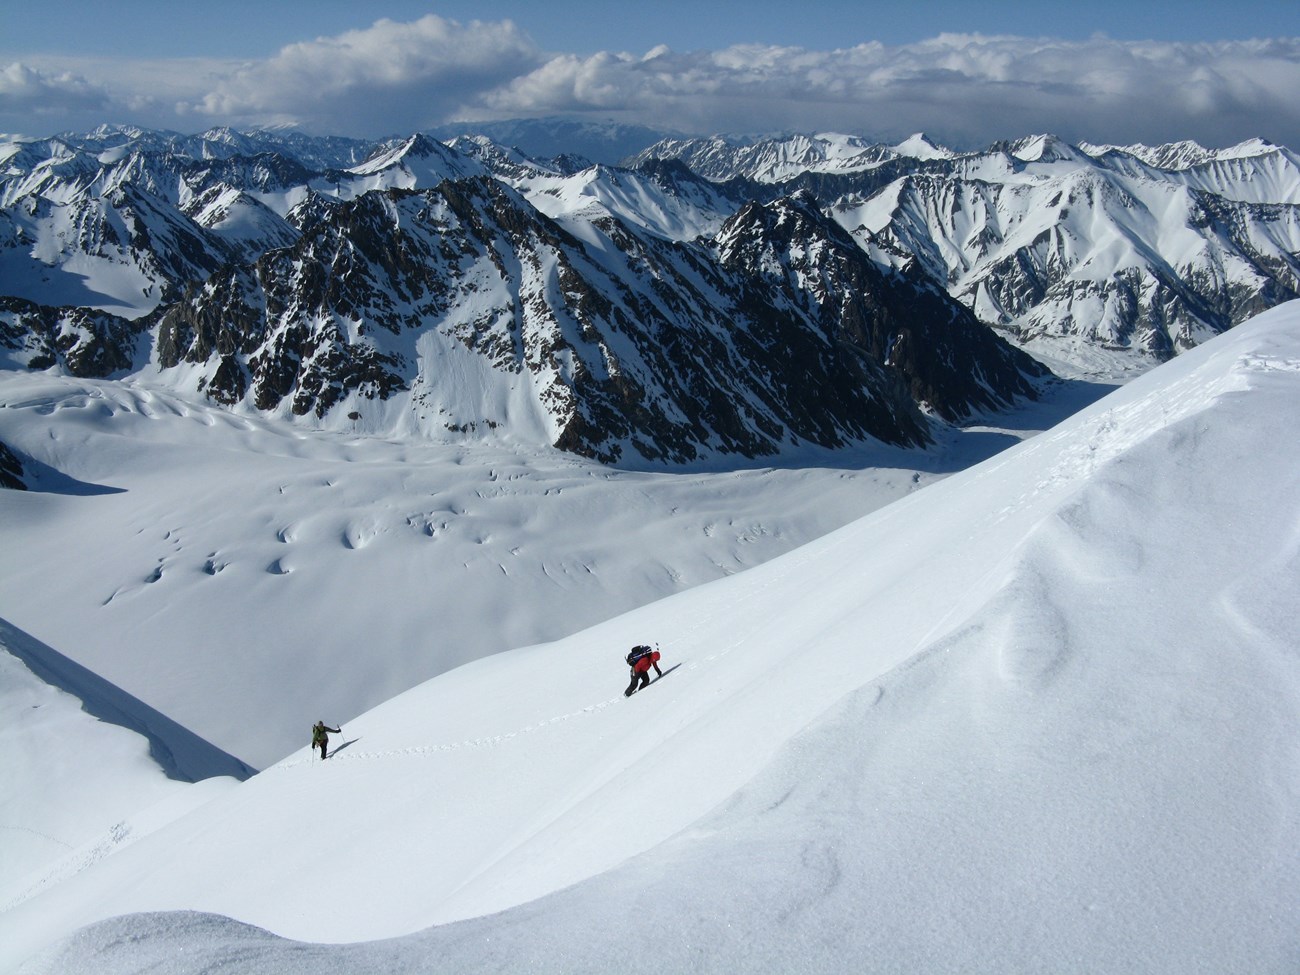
x,y
1039,716
242,574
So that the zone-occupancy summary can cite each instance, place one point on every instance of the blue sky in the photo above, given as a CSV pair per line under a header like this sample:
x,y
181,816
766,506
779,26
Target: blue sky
x,y
258,28
965,72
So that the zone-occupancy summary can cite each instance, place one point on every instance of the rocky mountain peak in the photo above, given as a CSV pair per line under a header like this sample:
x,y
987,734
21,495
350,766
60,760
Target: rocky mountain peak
x,y
669,313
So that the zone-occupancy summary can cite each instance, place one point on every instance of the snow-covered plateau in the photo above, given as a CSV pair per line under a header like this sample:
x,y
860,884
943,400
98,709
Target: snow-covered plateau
x,y
1041,714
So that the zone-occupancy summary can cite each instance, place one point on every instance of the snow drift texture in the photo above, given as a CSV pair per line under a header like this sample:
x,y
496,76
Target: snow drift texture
x,y
1040,716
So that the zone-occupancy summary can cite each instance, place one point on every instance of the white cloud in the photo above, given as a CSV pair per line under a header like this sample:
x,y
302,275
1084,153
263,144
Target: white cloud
x,y
390,77
25,89
965,89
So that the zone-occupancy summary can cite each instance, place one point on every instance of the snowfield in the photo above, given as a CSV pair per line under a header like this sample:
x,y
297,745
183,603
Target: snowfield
x,y
1042,715
241,574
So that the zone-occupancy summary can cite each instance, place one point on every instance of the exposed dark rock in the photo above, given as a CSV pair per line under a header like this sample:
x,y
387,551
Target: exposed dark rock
x,y
879,317
82,341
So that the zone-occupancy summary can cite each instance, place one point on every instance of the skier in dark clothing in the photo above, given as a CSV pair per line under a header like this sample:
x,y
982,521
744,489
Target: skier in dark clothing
x,y
641,659
319,739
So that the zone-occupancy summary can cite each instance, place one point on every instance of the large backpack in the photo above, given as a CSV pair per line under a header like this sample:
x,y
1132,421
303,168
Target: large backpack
x,y
636,653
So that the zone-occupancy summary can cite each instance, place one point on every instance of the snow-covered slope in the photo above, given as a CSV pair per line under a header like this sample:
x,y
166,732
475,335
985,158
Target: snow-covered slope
x,y
1040,716
681,209
242,575
1054,246
416,162
1255,171
88,767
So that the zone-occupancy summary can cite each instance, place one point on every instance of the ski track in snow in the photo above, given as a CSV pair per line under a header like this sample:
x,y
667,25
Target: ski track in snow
x,y
80,860
491,741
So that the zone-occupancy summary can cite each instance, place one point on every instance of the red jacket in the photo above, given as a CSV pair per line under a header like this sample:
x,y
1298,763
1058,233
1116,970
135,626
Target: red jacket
x,y
642,665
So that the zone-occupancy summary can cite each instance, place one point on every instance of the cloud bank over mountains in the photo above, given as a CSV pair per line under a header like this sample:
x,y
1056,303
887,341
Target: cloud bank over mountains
x,y
965,89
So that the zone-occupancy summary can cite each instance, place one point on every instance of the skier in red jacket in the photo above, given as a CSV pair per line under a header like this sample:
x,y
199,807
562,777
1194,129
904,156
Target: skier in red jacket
x,y
641,659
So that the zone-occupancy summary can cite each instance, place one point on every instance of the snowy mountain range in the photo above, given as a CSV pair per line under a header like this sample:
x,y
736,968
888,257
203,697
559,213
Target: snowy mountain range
x,y
1021,719
688,306
1072,251
356,295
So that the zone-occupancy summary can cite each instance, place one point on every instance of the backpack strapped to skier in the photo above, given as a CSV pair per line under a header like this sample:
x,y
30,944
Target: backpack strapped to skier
x,y
636,653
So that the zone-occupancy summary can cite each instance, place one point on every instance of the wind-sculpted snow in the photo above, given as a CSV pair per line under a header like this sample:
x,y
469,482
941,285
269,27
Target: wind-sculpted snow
x,y
1040,716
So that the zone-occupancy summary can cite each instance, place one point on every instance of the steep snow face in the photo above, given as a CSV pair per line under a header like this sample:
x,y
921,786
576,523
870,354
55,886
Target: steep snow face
x,y
122,252
241,220
919,146
990,717
676,210
1253,172
1271,175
